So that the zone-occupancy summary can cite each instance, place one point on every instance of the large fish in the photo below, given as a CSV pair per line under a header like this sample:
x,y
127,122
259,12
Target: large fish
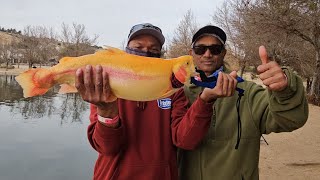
x,y
131,77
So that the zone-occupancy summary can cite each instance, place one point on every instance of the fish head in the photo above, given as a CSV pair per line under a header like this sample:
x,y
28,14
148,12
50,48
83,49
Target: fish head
x,y
183,69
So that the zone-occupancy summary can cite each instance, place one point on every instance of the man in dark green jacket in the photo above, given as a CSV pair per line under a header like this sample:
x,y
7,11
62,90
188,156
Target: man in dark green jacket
x,y
230,151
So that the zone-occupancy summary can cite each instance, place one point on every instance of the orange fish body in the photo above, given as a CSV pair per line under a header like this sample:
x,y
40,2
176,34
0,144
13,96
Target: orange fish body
x,y
131,77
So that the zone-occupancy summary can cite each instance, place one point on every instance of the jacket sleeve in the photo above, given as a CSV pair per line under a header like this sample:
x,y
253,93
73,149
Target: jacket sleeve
x,y
105,140
282,111
189,126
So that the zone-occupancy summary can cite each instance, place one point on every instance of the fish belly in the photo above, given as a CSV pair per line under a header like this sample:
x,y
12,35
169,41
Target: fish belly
x,y
141,90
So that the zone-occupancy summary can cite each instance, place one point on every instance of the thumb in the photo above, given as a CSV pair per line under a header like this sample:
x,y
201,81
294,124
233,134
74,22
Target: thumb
x,y
263,55
233,74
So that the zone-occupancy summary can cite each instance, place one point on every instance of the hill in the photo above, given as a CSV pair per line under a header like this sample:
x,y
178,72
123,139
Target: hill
x,y
7,38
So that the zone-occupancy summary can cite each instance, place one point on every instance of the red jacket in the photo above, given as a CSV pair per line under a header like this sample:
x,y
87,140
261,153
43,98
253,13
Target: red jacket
x,y
144,146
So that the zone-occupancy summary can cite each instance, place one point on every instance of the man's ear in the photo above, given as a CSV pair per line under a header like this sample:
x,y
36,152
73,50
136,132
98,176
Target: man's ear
x,y
190,52
224,52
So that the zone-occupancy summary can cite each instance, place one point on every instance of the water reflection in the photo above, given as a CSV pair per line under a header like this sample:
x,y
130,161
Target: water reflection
x,y
43,137
68,106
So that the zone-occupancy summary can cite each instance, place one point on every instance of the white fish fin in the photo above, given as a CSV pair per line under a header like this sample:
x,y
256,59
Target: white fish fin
x,y
112,50
112,98
67,88
169,93
66,59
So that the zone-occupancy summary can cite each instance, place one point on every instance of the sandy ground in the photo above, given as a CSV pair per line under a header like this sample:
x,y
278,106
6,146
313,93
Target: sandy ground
x,y
294,155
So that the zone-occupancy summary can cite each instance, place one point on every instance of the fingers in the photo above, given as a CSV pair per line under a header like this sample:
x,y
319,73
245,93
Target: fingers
x,y
226,84
264,60
274,78
277,82
98,80
93,84
263,55
79,81
225,87
233,82
106,90
89,82
273,70
233,74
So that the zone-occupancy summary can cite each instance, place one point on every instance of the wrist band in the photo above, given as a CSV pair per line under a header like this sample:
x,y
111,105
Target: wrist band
x,y
108,121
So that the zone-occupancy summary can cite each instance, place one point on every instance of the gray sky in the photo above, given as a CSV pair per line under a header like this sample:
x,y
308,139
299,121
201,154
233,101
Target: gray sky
x,y
111,20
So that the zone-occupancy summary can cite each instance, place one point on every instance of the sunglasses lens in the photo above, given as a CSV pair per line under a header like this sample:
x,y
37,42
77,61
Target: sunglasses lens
x,y
214,49
199,50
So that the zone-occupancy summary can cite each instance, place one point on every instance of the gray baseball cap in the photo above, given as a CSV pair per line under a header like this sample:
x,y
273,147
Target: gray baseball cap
x,y
146,28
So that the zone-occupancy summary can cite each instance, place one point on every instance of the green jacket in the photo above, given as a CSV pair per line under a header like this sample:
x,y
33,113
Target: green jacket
x,y
261,112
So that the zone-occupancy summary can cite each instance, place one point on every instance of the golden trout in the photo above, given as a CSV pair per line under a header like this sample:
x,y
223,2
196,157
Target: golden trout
x,y
131,77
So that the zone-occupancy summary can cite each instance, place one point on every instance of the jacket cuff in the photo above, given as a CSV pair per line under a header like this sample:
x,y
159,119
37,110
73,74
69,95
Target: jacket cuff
x,y
107,132
202,106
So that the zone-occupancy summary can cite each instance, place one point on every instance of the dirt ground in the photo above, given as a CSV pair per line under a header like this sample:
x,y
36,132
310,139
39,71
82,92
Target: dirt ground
x,y
294,155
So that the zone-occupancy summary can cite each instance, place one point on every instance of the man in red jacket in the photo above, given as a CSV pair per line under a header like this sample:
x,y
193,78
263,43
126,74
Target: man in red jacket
x,y
138,140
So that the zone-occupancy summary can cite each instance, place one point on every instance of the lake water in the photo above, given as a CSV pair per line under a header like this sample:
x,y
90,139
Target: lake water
x,y
43,138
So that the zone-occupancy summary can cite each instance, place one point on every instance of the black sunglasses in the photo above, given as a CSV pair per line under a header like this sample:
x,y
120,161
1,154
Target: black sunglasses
x,y
214,49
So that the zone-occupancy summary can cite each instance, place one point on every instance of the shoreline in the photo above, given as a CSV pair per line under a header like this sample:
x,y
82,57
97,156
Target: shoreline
x,y
11,72
16,71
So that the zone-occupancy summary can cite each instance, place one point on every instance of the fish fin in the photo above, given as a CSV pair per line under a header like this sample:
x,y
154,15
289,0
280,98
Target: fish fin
x,y
169,93
67,88
112,98
28,83
111,50
65,59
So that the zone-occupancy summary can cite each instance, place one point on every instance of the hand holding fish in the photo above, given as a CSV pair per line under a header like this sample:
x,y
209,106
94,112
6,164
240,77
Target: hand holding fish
x,y
93,86
226,86
271,73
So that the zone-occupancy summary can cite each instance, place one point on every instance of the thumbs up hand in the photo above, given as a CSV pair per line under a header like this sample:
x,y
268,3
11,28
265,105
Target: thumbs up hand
x,y
271,73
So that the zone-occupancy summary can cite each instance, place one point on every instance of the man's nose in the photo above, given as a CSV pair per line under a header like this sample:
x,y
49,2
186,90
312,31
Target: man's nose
x,y
207,53
145,49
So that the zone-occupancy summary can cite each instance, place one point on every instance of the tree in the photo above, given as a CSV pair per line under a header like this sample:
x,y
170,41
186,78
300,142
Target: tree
x,y
75,41
8,53
289,29
231,21
38,45
5,54
296,19
180,44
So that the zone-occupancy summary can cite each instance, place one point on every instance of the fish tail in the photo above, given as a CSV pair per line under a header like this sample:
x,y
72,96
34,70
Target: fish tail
x,y
32,83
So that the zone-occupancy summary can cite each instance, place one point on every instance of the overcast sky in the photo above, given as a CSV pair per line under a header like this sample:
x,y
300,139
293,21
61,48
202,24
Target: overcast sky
x,y
111,20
